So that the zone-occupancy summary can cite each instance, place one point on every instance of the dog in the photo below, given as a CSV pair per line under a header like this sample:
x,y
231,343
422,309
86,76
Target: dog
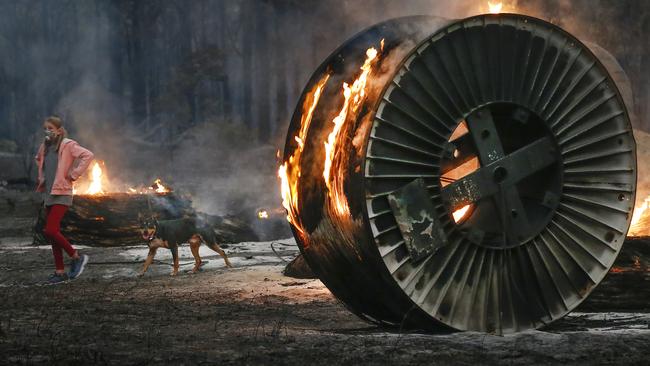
x,y
171,233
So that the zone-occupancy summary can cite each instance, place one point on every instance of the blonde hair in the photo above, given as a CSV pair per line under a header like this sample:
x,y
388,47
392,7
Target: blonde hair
x,y
58,123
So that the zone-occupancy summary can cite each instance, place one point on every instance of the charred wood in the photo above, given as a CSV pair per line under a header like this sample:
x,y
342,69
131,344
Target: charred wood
x,y
112,219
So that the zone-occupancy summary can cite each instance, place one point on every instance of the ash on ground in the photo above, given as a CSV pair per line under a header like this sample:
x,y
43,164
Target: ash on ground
x,y
251,314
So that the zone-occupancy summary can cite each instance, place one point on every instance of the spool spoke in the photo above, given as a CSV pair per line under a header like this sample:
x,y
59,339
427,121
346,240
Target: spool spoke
x,y
504,172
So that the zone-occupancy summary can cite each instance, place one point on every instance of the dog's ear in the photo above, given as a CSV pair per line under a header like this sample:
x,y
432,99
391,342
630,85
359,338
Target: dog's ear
x,y
140,216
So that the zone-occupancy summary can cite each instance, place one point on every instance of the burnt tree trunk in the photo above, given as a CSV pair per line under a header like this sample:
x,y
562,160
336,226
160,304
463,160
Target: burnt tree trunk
x,y
112,220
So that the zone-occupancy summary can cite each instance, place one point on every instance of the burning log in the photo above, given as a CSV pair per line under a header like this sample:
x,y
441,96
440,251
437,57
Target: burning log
x,y
101,217
112,219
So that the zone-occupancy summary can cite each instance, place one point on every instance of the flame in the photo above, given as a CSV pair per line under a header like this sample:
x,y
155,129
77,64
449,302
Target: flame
x,y
495,8
159,187
638,227
96,183
335,152
460,171
262,214
289,172
460,213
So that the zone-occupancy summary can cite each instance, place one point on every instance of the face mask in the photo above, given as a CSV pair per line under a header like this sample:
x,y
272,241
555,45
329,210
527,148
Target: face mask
x,y
49,135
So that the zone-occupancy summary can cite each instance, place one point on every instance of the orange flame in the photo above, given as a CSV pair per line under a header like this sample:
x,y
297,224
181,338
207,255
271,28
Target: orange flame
x,y
289,172
495,8
637,225
460,213
96,183
335,152
159,187
460,171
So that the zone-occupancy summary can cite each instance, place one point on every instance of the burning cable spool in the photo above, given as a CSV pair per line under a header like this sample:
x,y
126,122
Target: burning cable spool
x,y
506,117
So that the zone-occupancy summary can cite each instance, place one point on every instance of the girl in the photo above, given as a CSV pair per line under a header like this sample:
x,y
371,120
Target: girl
x,y
60,162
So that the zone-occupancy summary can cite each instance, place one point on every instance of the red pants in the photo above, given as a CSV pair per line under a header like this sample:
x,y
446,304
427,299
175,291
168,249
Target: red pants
x,y
52,232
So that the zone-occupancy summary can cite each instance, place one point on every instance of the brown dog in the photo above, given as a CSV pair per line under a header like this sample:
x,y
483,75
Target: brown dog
x,y
171,233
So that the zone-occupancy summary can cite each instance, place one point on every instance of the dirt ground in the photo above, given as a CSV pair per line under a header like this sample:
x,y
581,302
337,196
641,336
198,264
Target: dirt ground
x,y
250,315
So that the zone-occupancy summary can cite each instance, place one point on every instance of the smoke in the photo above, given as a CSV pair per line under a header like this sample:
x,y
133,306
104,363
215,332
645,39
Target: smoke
x,y
70,67
93,113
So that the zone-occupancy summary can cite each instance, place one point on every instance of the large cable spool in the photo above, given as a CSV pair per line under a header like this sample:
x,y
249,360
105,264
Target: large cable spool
x,y
485,181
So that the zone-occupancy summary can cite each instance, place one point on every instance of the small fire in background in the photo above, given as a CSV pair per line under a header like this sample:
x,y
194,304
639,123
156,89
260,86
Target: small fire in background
x,y
262,214
640,225
495,7
96,181
159,187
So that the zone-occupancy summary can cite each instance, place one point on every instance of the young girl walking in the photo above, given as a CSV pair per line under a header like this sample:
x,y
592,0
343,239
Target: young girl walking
x,y
60,162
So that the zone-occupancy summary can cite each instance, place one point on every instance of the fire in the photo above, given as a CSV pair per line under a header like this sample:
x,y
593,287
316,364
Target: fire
x,y
460,213
262,214
638,226
289,172
460,171
159,187
495,8
335,152
96,183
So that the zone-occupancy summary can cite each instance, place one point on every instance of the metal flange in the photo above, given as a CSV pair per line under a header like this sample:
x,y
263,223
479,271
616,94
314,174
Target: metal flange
x,y
553,195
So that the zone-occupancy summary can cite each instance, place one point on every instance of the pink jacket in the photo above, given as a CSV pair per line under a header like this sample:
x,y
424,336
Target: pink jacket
x,y
66,171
